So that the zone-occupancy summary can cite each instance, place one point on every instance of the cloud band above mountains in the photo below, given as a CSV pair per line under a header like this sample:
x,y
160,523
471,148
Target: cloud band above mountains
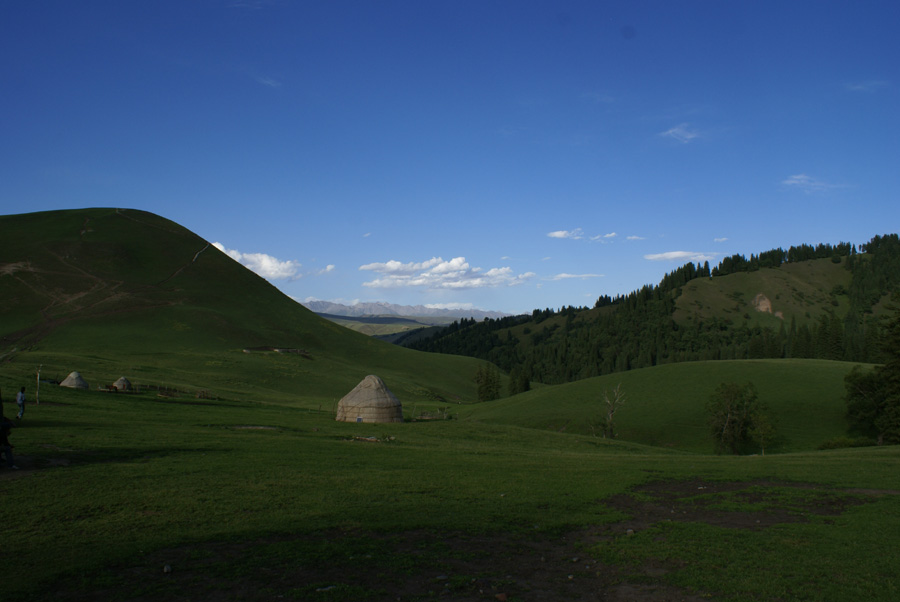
x,y
680,256
436,273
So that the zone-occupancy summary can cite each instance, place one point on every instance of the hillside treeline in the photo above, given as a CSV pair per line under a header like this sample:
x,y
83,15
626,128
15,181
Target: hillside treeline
x,y
638,330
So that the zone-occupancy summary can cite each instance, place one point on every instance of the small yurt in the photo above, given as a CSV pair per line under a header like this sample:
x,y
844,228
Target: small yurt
x,y
123,384
370,401
74,381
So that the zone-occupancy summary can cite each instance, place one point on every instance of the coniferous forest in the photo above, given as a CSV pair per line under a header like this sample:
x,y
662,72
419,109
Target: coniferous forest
x,y
647,327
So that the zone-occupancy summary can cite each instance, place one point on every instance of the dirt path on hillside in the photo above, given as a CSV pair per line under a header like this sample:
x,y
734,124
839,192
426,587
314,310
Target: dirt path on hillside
x,y
455,567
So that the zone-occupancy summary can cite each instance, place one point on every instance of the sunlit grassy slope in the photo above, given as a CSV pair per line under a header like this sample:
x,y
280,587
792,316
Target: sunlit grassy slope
x,y
800,291
112,292
665,405
795,294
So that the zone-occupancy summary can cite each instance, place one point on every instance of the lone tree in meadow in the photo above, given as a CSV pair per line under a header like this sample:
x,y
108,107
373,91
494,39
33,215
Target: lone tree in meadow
x,y
873,396
487,378
518,382
866,408
610,402
763,427
736,417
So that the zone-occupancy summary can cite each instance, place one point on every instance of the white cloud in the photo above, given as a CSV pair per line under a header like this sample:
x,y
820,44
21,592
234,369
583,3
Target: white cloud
x,y
722,239
633,237
328,268
395,267
870,86
565,276
436,273
680,256
807,183
604,237
681,133
266,266
268,81
576,234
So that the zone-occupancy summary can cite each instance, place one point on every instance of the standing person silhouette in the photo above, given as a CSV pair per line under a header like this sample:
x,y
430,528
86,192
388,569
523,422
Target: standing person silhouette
x,y
20,399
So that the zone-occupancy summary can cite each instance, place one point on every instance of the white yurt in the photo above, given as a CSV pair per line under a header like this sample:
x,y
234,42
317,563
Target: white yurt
x,y
74,381
123,384
370,401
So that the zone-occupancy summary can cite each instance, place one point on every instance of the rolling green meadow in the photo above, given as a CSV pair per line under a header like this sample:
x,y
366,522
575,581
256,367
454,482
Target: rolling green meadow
x,y
226,477
115,479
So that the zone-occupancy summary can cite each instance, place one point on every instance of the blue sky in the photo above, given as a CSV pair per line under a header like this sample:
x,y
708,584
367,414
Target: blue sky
x,y
500,155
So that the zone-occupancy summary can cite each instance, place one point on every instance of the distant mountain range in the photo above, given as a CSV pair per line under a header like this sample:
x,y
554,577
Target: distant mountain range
x,y
381,308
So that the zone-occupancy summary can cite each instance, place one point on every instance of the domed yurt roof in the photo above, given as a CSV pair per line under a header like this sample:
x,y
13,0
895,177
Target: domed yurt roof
x,y
74,381
123,384
370,401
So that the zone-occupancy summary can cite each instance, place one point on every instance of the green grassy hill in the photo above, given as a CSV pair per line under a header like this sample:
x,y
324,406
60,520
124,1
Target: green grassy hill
x,y
769,297
666,405
114,292
801,291
257,493
819,305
